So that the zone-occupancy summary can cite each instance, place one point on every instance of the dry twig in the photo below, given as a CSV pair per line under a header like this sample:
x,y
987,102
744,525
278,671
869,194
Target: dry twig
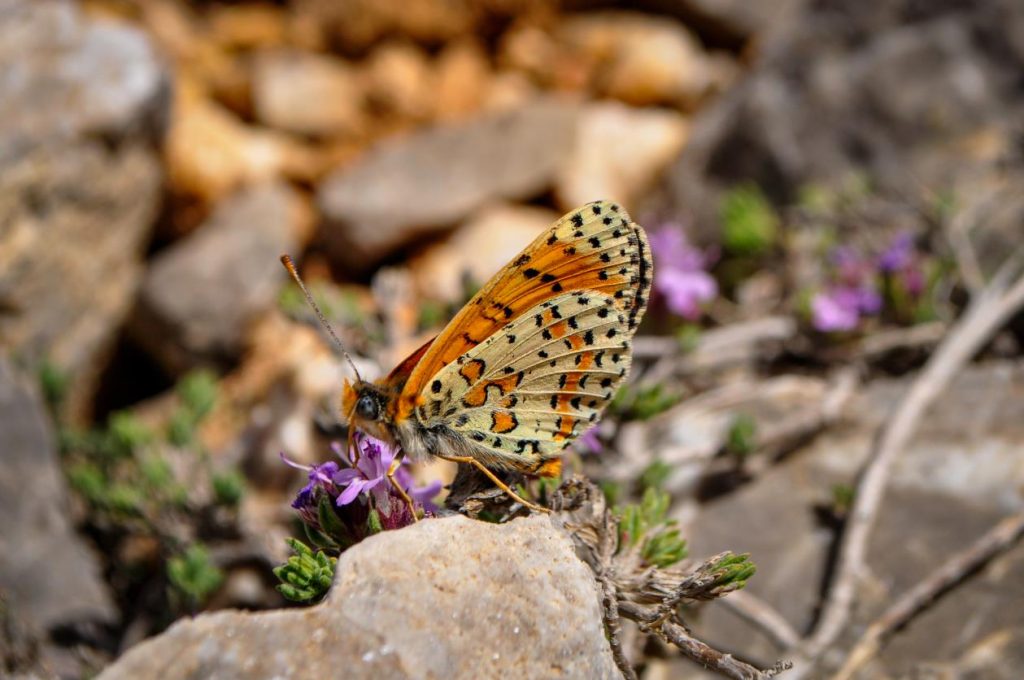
x,y
989,310
705,655
1002,536
643,593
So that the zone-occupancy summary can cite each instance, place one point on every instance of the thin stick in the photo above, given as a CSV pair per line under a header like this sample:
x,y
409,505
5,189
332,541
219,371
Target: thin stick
x,y
694,649
286,260
988,311
762,615
1002,536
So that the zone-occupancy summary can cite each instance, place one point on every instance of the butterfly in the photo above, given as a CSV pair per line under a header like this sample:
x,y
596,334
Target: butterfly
x,y
528,364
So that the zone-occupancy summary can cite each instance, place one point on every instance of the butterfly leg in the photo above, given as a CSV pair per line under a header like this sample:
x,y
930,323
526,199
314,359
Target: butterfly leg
x,y
353,449
398,487
494,478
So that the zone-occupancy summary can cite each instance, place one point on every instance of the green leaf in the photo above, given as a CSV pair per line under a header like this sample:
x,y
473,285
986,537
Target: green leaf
x,y
125,435
655,475
306,576
373,523
181,428
54,382
194,574
741,440
198,393
750,224
330,524
228,488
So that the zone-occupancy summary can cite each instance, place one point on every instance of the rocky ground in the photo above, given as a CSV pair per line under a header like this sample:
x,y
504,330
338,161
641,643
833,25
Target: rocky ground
x,y
829,377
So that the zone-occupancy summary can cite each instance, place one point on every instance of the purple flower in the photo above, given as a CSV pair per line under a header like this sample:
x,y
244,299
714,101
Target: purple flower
x,y
681,280
840,308
899,255
589,441
369,475
361,495
321,480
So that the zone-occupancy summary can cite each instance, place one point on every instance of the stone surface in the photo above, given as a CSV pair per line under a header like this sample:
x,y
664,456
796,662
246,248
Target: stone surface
x,y
49,579
428,181
961,473
307,93
201,294
210,152
645,59
446,598
82,105
618,153
477,250
919,98
400,80
463,78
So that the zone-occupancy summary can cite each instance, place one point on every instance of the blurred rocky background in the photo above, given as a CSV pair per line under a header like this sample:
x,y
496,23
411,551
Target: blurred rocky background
x,y
827,187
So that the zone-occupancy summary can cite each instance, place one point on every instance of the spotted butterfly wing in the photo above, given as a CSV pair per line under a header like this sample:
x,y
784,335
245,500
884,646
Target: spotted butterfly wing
x,y
537,354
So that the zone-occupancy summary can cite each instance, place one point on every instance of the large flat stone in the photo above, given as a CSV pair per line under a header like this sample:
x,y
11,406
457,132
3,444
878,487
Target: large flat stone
x,y
445,598
49,578
429,181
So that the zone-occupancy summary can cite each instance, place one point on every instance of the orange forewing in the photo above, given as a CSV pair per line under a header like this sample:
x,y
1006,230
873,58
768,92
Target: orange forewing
x,y
554,262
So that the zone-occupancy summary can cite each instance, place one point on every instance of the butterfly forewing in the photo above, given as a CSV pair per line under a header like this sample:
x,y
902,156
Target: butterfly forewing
x,y
536,355
596,248
526,392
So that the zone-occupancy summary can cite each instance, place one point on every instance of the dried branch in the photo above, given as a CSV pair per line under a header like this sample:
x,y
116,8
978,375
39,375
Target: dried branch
x,y
918,336
1002,536
716,349
645,594
649,619
990,309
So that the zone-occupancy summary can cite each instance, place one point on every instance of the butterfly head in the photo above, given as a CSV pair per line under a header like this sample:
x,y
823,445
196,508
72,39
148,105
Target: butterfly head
x,y
366,407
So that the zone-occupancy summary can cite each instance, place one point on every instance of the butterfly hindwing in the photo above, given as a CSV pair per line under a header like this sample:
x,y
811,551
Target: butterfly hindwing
x,y
596,249
526,392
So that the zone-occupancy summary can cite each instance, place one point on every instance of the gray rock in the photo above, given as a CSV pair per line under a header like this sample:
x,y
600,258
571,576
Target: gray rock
x,y
901,91
446,598
429,181
48,577
82,106
201,294
960,474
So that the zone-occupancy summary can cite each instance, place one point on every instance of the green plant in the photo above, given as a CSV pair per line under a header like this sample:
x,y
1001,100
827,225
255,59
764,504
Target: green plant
x,y
228,487
655,475
750,224
54,382
741,439
645,526
194,575
197,395
306,576
643,402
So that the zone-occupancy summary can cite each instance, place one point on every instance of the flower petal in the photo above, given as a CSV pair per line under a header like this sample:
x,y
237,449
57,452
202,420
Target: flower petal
x,y
351,492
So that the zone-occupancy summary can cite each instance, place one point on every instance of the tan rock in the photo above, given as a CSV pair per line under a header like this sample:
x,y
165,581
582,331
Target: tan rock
x,y
400,80
429,181
444,598
646,60
80,181
210,152
307,93
463,75
478,249
248,26
618,153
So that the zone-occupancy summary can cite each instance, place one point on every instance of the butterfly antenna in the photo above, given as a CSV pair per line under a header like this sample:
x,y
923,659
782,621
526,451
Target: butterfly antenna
x,y
286,260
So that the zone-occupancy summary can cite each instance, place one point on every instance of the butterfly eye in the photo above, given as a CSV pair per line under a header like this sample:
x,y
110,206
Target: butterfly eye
x,y
367,408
